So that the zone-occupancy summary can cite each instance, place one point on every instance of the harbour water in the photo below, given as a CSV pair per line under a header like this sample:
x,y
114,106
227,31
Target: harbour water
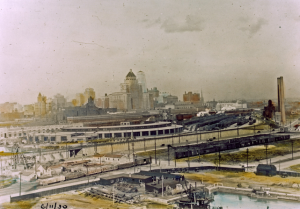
x,y
234,201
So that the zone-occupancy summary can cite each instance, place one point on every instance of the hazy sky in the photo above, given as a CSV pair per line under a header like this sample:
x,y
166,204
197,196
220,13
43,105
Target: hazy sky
x,y
230,49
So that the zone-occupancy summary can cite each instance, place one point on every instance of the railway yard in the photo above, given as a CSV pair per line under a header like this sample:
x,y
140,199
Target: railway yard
x,y
181,172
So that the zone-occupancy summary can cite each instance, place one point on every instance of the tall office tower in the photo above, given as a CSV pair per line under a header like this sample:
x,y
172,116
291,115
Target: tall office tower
x,y
89,92
142,80
281,108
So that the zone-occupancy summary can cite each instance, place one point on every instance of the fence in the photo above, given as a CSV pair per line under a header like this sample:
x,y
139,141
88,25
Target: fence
x,y
294,174
51,191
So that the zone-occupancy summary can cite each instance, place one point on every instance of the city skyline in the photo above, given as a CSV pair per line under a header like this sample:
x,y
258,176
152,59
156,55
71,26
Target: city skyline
x,y
229,50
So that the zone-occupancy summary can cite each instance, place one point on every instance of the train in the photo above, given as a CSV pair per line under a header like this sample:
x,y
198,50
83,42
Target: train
x,y
91,170
51,180
223,145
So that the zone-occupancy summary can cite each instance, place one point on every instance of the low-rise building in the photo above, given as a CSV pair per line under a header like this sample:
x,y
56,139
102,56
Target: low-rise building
x,y
266,170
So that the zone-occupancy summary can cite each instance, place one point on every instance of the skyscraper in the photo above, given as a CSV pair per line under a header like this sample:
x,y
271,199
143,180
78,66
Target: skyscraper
x,y
142,80
281,108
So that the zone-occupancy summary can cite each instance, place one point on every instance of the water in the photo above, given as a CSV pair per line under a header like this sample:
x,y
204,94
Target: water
x,y
234,201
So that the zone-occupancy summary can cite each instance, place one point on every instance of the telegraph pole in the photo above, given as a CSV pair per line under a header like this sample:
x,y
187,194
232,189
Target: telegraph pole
x,y
292,149
133,156
150,162
20,184
247,158
266,145
128,148
219,159
199,154
169,154
155,151
174,156
188,149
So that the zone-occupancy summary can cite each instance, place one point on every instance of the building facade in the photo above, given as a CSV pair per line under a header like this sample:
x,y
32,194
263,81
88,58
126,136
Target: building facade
x,y
131,95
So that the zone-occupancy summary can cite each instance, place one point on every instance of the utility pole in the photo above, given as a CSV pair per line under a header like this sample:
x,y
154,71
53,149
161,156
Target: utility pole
x,y
113,195
20,184
128,147
150,162
197,135
162,186
172,140
247,158
219,158
199,153
144,145
87,168
174,156
168,154
266,145
292,150
133,157
155,150
188,153
67,150
81,150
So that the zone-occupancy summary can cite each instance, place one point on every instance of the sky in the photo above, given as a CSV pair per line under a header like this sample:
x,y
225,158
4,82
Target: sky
x,y
229,49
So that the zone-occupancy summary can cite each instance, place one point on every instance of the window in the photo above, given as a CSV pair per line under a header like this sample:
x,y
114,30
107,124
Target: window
x,y
127,134
20,134
167,131
153,133
63,138
160,132
171,131
36,139
145,133
100,136
118,134
107,135
136,134
45,138
53,138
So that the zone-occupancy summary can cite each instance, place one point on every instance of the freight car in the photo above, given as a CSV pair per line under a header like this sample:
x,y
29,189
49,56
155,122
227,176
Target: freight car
x,y
126,165
235,143
181,117
75,175
91,170
51,180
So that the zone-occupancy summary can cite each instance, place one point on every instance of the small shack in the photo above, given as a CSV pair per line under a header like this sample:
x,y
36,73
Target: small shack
x,y
266,170
167,185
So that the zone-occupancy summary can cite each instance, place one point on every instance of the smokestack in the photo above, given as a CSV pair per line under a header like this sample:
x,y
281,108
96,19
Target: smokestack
x,y
280,91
